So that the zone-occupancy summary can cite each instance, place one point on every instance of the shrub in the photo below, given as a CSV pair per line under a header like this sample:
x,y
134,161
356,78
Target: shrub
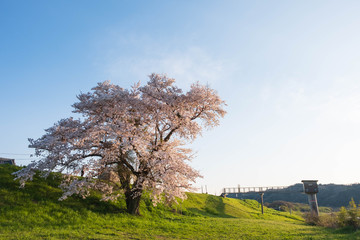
x,y
353,215
346,217
341,217
311,218
328,220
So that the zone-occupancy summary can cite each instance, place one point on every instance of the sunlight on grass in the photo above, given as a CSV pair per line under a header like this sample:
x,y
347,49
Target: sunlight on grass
x,y
35,213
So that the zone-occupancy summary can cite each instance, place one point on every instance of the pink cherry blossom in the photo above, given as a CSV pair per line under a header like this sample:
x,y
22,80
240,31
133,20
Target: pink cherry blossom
x,y
128,141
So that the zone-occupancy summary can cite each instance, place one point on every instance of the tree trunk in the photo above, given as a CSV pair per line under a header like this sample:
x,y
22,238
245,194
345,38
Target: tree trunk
x,y
133,198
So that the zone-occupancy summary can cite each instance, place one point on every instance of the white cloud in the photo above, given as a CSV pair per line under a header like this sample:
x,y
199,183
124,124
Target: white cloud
x,y
188,66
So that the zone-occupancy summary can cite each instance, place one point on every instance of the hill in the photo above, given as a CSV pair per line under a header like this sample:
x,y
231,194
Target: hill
x,y
330,195
35,213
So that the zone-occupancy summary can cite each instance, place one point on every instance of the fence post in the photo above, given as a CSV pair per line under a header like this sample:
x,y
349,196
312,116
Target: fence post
x,y
262,202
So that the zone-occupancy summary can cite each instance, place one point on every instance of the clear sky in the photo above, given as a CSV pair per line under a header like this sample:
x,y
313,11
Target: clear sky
x,y
288,70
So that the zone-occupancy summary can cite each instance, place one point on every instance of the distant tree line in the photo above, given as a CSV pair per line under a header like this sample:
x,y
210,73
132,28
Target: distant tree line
x,y
330,195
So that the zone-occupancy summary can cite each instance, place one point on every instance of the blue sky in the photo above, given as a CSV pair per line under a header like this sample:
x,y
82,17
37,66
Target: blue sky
x,y
288,70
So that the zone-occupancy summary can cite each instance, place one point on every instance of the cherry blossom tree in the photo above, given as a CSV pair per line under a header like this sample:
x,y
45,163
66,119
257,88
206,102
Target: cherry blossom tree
x,y
132,140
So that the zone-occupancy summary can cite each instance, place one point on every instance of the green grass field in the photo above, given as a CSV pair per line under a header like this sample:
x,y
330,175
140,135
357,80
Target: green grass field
x,y
35,213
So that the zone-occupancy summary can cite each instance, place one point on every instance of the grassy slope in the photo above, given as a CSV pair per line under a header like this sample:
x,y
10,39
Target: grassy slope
x,y
35,213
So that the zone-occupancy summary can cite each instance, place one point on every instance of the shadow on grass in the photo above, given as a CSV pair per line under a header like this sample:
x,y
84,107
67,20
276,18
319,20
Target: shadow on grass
x,y
214,207
42,190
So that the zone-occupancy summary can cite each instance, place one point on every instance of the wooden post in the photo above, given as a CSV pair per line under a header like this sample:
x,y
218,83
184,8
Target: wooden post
x,y
262,202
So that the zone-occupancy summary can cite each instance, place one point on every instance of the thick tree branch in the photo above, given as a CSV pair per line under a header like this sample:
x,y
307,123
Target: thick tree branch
x,y
167,138
198,114
128,165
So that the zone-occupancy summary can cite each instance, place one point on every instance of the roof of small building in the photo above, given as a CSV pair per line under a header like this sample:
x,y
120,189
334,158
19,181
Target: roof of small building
x,y
7,160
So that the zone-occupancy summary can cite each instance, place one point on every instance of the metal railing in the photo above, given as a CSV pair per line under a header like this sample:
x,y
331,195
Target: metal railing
x,y
253,189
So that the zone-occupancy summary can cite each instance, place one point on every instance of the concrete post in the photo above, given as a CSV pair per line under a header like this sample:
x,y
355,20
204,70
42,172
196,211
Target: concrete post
x,y
313,204
311,188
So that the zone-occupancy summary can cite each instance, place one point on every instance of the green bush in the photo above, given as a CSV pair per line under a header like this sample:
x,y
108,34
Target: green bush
x,y
341,217
350,217
345,218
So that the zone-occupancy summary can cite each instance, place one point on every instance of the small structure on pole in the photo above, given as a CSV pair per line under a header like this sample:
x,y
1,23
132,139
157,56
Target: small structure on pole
x,y
311,188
